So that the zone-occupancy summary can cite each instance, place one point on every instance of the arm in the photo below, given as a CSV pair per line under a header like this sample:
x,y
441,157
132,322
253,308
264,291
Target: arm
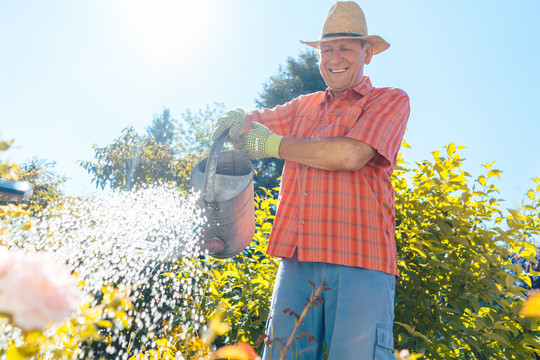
x,y
333,154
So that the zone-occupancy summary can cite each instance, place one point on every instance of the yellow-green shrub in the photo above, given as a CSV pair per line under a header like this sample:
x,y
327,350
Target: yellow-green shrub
x,y
457,297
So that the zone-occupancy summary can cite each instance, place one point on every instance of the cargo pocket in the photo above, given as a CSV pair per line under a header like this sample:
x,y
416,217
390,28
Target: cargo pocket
x,y
385,343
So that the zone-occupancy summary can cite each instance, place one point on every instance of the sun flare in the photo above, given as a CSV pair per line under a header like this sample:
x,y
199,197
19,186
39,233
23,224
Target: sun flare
x,y
167,29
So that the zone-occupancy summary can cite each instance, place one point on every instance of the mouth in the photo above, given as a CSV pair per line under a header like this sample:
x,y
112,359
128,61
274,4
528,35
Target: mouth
x,y
337,71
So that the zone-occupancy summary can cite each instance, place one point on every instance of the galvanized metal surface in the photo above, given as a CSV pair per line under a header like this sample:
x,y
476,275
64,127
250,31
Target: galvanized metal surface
x,y
225,181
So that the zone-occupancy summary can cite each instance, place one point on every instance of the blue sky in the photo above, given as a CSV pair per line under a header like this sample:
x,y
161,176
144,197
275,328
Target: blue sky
x,y
75,73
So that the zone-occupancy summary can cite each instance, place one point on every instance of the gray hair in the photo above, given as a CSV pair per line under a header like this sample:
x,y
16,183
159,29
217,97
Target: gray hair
x,y
365,43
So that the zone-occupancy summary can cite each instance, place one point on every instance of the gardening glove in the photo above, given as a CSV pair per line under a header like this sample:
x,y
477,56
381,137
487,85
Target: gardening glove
x,y
259,142
232,120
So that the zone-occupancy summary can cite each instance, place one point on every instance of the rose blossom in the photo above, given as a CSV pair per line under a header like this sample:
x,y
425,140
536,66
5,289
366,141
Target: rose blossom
x,y
35,289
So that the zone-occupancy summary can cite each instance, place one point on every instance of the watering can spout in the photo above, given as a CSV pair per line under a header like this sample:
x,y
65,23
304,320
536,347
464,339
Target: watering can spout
x,y
225,183
213,245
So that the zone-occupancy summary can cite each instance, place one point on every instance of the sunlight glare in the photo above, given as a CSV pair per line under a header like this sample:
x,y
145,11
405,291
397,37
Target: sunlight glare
x,y
165,29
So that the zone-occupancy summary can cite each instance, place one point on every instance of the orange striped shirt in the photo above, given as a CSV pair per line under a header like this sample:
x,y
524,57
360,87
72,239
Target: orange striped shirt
x,y
340,217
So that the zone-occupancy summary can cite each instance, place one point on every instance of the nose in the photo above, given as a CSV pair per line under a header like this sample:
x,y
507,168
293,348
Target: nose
x,y
336,57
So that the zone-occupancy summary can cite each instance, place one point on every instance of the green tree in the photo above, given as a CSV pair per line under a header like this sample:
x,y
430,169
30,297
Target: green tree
x,y
162,127
193,131
133,160
300,76
167,154
47,184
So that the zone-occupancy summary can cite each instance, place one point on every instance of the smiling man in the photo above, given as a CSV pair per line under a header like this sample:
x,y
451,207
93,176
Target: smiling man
x,y
335,218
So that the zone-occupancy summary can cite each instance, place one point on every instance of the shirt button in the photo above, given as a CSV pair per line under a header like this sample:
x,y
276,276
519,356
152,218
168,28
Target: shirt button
x,y
302,222
304,193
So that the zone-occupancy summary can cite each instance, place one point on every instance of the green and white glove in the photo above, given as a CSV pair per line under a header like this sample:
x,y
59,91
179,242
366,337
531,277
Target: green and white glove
x,y
232,120
259,142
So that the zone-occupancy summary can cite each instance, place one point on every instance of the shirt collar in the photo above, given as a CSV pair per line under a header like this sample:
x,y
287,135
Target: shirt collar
x,y
362,89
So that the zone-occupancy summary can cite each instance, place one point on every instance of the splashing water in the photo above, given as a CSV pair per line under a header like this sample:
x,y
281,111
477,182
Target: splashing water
x,y
140,240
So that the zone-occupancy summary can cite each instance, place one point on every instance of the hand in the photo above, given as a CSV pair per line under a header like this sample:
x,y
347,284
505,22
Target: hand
x,y
233,120
259,142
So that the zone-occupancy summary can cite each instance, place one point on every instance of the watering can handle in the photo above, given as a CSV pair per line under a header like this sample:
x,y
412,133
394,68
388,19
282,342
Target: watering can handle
x,y
211,168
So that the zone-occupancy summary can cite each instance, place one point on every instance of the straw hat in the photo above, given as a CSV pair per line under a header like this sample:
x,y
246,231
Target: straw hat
x,y
346,20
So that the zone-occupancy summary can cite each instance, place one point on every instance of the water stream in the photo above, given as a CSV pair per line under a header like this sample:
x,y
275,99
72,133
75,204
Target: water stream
x,y
130,240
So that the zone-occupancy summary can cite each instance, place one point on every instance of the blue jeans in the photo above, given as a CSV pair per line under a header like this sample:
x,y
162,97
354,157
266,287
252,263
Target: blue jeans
x,y
355,319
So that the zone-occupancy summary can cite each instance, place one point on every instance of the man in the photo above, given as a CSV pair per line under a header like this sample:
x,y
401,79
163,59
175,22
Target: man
x,y
335,217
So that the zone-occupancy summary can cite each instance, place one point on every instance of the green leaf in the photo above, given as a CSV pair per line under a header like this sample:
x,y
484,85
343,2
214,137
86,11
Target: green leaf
x,y
498,337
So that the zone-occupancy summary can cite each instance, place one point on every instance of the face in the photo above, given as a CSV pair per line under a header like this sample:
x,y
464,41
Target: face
x,y
342,63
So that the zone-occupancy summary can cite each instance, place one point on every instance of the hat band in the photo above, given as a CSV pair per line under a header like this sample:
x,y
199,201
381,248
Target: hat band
x,y
340,34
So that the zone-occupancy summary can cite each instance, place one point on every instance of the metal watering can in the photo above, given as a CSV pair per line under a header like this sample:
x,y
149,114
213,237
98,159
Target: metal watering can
x,y
225,182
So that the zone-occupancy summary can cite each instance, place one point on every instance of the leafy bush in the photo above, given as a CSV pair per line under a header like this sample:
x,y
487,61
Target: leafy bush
x,y
457,296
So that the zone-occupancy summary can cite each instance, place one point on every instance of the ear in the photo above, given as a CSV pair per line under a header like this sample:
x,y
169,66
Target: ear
x,y
319,54
368,54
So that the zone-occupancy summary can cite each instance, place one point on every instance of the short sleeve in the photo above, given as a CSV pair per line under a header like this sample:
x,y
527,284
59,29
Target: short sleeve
x,y
382,125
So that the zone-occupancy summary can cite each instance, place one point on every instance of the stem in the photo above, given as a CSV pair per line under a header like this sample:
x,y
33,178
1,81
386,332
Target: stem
x,y
298,321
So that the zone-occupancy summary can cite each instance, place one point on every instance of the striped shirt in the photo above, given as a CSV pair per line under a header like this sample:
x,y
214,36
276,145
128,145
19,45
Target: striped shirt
x,y
340,217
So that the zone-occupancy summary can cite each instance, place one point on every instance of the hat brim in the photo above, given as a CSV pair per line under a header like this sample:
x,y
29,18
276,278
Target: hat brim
x,y
378,43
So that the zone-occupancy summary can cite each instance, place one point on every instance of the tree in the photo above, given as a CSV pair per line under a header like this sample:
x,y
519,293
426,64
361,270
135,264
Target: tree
x,y
162,128
300,76
46,183
167,154
193,132
133,160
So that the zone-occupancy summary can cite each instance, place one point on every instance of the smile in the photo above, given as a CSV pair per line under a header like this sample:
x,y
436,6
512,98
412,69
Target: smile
x,y
338,70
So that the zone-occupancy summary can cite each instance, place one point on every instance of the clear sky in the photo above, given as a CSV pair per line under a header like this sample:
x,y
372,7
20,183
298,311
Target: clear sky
x,y
75,73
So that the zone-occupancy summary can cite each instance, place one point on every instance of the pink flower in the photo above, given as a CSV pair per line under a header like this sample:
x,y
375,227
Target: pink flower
x,y
35,289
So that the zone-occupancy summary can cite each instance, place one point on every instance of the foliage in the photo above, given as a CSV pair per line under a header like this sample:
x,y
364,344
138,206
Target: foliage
x,y
8,171
47,184
530,267
300,76
65,341
133,160
162,128
193,132
457,295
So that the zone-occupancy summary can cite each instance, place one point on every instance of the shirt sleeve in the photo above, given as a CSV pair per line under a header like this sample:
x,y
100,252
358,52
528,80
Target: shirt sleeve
x,y
382,125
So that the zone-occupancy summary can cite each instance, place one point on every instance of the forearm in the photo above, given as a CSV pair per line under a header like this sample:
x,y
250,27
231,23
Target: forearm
x,y
334,154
